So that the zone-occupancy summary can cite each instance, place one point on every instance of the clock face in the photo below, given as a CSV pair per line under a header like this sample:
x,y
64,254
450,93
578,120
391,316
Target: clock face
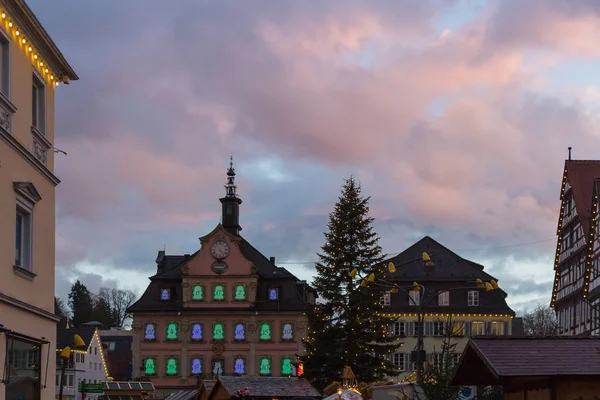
x,y
219,249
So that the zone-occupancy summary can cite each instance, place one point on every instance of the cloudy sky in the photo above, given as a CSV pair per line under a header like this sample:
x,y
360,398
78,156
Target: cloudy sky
x,y
455,116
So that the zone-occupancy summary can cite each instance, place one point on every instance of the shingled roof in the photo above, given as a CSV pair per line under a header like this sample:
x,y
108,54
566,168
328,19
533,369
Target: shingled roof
x,y
490,360
581,175
268,386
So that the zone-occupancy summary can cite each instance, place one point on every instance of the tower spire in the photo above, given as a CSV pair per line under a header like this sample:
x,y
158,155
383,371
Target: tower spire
x,y
570,153
230,217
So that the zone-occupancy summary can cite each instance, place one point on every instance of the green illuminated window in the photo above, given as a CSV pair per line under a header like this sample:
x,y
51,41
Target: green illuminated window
x,y
218,331
171,366
150,366
286,366
172,331
264,365
219,293
240,292
265,331
197,292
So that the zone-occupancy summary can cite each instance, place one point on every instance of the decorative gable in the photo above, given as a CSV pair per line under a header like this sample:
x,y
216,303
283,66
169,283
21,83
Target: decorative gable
x,y
28,191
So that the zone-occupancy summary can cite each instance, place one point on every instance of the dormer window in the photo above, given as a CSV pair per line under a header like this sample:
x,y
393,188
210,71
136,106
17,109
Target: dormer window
x,y
273,294
165,294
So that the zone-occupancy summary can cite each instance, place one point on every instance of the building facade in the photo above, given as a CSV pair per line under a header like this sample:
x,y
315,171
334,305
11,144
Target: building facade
x,y
452,304
576,289
85,366
224,310
118,345
31,66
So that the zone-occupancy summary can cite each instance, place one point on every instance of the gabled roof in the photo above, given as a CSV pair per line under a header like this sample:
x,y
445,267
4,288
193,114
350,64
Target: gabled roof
x,y
267,386
490,360
64,337
581,175
449,266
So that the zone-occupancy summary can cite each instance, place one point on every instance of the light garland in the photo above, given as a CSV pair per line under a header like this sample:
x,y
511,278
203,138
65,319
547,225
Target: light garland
x,y
13,30
396,315
559,239
108,377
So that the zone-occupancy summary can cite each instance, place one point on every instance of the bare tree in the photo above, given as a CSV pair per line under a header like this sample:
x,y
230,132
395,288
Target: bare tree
x,y
119,301
540,322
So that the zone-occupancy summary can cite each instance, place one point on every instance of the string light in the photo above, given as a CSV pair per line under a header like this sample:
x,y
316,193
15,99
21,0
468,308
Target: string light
x,y
28,48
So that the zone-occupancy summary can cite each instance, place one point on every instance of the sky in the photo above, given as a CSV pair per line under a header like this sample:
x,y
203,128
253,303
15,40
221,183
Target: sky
x,y
454,115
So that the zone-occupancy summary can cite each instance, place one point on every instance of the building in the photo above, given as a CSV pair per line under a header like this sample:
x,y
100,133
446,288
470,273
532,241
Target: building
x,y
576,289
451,302
118,346
532,368
31,66
226,309
261,388
85,366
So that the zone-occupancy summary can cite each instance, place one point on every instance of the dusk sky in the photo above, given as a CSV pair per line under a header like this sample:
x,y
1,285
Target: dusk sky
x,y
454,115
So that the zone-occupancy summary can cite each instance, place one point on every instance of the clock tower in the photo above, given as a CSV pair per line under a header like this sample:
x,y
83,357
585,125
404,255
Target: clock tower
x,y
230,218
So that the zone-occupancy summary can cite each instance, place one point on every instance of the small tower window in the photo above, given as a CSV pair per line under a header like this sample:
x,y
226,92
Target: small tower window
x,y
229,209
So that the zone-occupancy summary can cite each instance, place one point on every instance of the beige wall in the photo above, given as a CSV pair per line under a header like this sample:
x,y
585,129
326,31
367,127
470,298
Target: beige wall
x,y
17,167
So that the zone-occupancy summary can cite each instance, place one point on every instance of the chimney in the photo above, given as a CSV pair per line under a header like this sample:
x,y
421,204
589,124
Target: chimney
x,y
272,259
159,261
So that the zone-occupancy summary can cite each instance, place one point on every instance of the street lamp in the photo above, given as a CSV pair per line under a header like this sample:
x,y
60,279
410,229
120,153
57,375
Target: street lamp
x,y
373,280
339,392
65,354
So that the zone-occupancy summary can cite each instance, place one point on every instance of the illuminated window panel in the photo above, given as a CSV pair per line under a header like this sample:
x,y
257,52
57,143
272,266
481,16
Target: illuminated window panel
x,y
239,365
150,366
273,294
264,366
197,293
197,332
218,331
265,332
172,331
287,331
196,366
150,332
165,294
239,292
286,366
171,366
219,293
218,367
239,332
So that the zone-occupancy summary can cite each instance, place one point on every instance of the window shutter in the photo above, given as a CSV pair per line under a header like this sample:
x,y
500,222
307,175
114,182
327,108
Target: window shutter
x,y
411,328
428,329
405,364
467,329
505,332
487,328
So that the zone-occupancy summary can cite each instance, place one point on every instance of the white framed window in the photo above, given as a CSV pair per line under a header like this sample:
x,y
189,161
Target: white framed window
x,y
473,298
399,328
458,328
38,104
398,360
385,299
438,328
476,328
455,358
414,297
444,298
5,65
26,198
497,328
416,328
111,346
437,359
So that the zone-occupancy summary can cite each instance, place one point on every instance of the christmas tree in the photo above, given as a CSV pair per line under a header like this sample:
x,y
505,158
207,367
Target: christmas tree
x,y
347,326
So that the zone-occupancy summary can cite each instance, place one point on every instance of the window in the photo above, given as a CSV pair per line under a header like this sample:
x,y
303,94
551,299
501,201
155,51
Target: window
x,y
497,328
265,331
273,294
239,293
399,328
27,197
287,331
218,331
438,328
111,346
20,353
5,66
455,358
398,360
219,293
416,328
385,299
171,366
239,365
239,332
473,298
150,332
70,381
414,298
172,331
444,298
95,351
476,328
264,366
218,366
287,366
38,104
83,358
77,357
197,332
196,366
197,292
458,328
